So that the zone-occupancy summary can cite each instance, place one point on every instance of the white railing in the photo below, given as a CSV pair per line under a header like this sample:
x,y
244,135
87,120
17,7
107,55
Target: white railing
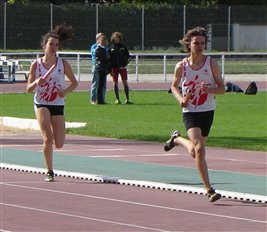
x,y
81,61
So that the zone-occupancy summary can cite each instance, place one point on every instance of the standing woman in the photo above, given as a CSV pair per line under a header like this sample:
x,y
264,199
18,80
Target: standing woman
x,y
51,91
119,59
200,79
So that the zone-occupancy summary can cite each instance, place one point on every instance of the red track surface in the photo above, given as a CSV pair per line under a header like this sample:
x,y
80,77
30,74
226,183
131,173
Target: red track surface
x,y
30,204
20,87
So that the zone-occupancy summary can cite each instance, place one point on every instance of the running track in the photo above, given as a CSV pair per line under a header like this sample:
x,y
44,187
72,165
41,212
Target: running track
x,y
87,204
76,204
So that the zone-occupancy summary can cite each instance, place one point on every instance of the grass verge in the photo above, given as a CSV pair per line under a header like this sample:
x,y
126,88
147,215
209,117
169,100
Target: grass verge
x,y
240,120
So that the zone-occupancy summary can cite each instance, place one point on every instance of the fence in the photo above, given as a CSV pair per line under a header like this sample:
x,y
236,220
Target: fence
x,y
143,27
161,64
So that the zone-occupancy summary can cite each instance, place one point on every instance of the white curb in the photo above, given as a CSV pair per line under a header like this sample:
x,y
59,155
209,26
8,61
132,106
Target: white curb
x,y
24,123
138,183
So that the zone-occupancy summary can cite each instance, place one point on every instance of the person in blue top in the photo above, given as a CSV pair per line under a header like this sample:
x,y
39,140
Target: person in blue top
x,y
95,79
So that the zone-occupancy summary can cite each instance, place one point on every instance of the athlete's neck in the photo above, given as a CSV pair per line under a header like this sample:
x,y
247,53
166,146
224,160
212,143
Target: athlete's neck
x,y
49,60
196,60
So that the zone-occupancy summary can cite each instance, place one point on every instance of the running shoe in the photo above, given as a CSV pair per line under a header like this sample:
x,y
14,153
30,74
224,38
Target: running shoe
x,y
49,177
128,102
213,196
170,143
117,102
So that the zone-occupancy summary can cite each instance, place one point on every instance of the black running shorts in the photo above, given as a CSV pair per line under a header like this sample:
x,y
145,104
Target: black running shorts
x,y
202,120
53,109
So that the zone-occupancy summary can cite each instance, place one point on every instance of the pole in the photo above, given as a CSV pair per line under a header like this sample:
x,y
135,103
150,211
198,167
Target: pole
x,y
5,26
78,66
184,18
96,26
136,68
164,67
143,27
51,16
223,63
229,28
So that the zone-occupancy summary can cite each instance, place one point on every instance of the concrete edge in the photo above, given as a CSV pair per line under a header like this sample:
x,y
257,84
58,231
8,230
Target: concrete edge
x,y
32,124
138,183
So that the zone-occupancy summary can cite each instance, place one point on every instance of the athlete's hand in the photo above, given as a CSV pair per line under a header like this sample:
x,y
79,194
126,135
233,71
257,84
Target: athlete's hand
x,y
184,101
61,93
40,81
204,87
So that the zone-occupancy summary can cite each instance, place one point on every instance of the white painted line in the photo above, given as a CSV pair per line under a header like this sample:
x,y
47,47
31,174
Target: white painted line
x,y
81,217
135,203
108,149
118,156
240,160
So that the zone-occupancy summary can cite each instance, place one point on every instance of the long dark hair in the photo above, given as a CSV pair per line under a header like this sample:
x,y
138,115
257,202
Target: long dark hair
x,y
62,32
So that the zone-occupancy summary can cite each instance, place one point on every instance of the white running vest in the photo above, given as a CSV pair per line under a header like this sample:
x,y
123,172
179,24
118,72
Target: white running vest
x,y
47,94
191,81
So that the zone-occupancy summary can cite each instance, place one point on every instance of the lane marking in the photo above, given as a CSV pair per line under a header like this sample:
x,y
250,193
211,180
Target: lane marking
x,y
137,203
108,149
82,217
142,155
139,155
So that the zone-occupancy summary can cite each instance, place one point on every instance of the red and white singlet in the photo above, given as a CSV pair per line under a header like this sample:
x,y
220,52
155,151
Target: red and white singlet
x,y
47,93
191,81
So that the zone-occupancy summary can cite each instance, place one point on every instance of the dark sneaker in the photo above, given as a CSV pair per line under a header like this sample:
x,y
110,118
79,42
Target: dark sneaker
x,y
128,102
213,196
170,143
49,177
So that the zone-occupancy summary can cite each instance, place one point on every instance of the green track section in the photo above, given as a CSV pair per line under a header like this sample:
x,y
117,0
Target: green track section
x,y
227,181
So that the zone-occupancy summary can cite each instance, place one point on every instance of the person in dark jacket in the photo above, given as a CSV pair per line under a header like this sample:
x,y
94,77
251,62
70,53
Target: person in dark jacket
x,y
95,73
119,59
102,67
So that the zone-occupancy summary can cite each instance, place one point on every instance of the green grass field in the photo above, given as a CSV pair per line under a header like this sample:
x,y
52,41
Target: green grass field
x,y
240,120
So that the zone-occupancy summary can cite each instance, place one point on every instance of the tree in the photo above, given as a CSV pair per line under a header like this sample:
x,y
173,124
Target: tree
x,y
14,1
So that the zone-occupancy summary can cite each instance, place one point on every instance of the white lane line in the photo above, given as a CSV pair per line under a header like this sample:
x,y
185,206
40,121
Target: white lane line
x,y
139,204
82,217
142,155
132,155
108,149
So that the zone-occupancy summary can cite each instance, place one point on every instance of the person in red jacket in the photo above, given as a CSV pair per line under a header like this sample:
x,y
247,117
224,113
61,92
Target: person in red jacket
x,y
119,59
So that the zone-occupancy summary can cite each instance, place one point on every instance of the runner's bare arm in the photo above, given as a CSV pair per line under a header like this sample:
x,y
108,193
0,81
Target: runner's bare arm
x,y
220,88
175,85
32,82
